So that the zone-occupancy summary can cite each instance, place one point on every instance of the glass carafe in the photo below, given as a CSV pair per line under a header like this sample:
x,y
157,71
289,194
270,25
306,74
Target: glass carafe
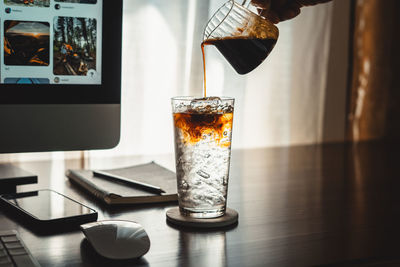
x,y
244,38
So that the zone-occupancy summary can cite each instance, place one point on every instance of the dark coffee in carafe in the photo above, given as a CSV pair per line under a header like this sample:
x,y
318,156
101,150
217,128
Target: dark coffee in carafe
x,y
244,54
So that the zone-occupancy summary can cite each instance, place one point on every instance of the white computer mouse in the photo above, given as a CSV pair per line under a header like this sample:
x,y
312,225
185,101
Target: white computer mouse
x,y
117,239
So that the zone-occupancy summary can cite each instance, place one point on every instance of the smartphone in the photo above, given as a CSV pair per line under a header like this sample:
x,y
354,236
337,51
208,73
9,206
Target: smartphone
x,y
47,210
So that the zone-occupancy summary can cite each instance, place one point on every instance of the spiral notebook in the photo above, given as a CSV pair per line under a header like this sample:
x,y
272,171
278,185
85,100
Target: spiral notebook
x,y
114,193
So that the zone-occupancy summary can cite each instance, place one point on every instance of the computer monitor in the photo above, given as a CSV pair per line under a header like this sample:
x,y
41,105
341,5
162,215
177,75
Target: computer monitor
x,y
60,75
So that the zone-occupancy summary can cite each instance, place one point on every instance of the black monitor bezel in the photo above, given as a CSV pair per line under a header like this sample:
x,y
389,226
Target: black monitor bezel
x,y
108,92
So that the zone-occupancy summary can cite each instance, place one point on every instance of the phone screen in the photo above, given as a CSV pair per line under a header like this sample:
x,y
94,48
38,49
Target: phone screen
x,y
47,204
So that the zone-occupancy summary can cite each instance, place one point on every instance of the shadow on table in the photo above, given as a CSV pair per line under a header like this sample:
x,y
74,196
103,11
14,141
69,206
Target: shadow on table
x,y
189,229
91,257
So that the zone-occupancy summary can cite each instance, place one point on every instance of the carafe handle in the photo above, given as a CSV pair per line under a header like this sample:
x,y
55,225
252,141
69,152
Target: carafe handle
x,y
254,6
244,3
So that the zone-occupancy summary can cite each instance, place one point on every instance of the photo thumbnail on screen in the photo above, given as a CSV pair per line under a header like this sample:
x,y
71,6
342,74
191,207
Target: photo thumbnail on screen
x,y
26,43
78,1
74,45
26,80
33,3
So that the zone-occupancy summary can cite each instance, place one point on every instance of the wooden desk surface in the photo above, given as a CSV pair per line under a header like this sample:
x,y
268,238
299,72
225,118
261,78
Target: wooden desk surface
x,y
298,206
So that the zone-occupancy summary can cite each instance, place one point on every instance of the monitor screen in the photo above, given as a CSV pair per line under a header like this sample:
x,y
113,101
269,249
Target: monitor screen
x,y
51,43
60,74
57,51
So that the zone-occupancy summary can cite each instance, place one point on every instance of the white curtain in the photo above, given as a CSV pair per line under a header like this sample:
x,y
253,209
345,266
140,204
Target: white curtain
x,y
282,102
279,103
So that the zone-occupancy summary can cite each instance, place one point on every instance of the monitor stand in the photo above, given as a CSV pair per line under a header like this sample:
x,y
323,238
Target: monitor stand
x,y
11,176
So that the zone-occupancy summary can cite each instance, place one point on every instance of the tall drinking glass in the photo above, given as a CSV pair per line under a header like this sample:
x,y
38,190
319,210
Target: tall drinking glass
x,y
203,131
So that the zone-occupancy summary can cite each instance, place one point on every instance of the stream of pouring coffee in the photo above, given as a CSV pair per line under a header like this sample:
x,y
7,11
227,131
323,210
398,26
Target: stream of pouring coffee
x,y
204,69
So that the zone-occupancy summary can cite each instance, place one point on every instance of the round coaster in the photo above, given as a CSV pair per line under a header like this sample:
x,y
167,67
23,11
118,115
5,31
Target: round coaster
x,y
174,216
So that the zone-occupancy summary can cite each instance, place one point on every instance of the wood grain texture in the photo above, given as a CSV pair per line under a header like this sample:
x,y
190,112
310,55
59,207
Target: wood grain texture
x,y
299,206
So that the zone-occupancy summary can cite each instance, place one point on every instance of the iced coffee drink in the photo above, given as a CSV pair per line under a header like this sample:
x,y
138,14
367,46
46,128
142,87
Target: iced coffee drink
x,y
203,130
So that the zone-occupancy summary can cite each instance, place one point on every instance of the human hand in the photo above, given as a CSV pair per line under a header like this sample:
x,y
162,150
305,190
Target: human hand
x,y
280,10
